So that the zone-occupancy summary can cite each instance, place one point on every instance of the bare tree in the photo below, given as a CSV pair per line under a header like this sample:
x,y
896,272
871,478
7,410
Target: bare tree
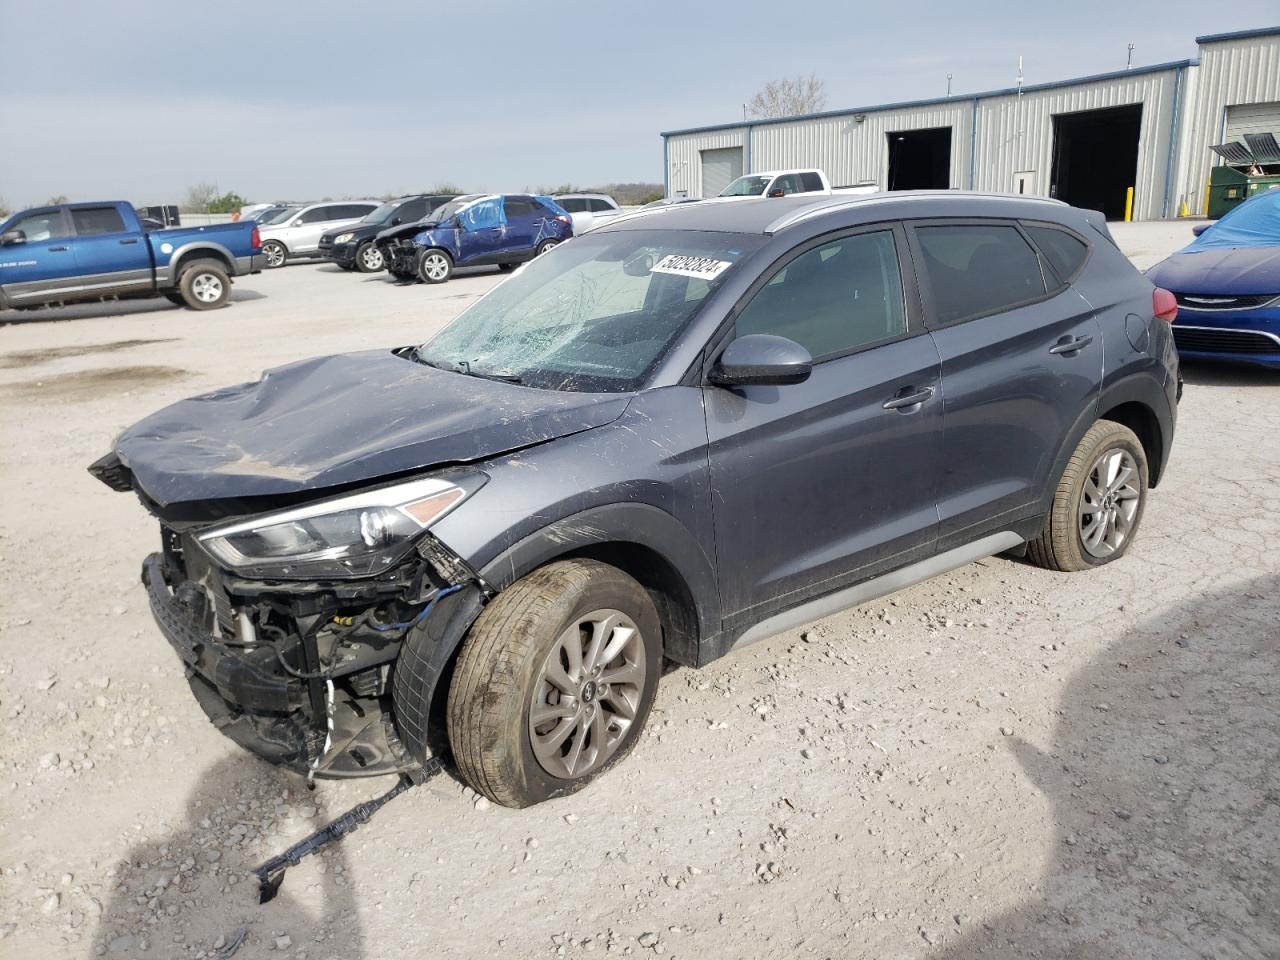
x,y
200,197
789,97
4,209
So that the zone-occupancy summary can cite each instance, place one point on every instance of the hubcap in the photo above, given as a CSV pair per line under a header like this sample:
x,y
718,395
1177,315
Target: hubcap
x,y
372,258
207,288
587,694
1109,503
435,266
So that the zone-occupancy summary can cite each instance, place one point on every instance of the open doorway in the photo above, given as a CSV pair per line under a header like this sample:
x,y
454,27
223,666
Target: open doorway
x,y
920,159
1095,158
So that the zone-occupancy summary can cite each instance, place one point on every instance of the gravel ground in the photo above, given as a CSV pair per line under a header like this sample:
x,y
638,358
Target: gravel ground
x,y
1000,762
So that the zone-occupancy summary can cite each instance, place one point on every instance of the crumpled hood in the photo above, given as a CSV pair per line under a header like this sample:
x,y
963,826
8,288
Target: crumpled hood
x,y
1235,271
403,230
342,419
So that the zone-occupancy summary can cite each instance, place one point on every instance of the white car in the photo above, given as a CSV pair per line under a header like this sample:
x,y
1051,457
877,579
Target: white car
x,y
783,183
299,234
587,210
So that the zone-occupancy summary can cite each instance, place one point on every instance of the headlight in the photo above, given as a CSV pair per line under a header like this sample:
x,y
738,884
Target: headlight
x,y
352,536
343,238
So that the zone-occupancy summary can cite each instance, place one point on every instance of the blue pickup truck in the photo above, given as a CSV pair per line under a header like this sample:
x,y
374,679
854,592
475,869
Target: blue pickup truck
x,y
103,251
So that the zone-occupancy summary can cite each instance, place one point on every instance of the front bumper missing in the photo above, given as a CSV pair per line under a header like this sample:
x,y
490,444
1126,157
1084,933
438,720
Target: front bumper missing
x,y
249,697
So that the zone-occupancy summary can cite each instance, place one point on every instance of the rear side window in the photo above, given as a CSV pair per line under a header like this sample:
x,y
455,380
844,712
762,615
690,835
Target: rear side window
x,y
517,207
833,299
319,215
810,182
1065,253
598,205
573,204
91,220
977,269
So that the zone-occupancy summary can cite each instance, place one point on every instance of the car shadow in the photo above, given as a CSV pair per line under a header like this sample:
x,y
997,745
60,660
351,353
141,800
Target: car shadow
x,y
110,308
1206,373
1164,780
192,891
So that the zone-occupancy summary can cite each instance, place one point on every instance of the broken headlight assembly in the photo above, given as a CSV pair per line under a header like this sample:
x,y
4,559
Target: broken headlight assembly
x,y
357,535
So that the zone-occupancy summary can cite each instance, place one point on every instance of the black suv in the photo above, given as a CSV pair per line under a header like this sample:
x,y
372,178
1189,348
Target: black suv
x,y
352,247
685,431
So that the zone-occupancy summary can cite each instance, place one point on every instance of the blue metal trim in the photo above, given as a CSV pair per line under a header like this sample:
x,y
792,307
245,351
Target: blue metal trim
x,y
934,101
1238,35
1173,140
973,147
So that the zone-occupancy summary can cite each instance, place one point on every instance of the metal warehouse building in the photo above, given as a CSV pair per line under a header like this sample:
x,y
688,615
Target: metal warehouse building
x,y
1085,141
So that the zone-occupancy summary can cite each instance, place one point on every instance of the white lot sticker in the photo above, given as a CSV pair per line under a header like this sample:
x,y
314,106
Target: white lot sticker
x,y
704,268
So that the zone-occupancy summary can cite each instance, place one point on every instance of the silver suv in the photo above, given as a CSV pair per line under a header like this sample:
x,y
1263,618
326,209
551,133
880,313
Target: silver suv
x,y
299,234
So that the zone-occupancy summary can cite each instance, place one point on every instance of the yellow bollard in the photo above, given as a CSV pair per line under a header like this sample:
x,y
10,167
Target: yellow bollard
x,y
1128,204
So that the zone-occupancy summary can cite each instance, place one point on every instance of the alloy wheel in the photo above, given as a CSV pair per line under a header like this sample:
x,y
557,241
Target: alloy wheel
x,y
587,694
207,287
274,254
435,266
1109,502
371,258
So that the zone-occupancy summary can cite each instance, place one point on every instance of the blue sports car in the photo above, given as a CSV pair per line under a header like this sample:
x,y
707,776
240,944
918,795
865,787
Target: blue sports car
x,y
1227,283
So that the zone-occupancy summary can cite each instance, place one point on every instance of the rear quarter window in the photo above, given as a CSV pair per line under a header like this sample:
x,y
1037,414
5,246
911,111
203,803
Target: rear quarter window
x,y
978,269
1065,252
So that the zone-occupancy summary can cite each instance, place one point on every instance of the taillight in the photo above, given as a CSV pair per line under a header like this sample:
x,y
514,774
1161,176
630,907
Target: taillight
x,y
255,239
1164,304
563,219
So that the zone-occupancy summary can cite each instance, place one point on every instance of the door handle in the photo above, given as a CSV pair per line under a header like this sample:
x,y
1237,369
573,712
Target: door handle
x,y
1071,346
58,249
130,240
908,401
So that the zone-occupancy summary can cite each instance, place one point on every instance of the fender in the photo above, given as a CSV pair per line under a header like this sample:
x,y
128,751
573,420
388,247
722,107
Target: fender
x,y
165,275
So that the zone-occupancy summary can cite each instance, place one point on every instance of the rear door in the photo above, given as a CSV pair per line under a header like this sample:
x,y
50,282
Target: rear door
x,y
305,237
1021,361
819,483
109,256
524,225
42,263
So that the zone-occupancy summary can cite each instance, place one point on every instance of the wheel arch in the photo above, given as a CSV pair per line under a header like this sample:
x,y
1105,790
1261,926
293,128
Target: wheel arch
x,y
189,253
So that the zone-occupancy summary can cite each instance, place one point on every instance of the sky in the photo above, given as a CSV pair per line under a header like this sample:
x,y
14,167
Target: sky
x,y
308,99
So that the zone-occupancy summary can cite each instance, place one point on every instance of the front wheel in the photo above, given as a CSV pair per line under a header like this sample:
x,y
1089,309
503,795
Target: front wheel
x,y
204,285
434,266
275,254
1098,504
369,258
554,682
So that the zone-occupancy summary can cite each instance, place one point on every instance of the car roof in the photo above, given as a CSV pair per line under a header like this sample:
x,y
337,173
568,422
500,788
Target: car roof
x,y
774,214
582,196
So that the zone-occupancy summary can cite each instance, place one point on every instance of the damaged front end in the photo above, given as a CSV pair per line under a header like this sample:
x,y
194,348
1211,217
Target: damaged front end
x,y
290,622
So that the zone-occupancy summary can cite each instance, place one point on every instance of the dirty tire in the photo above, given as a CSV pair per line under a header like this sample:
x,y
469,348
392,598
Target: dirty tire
x,y
434,266
1060,545
369,258
204,285
544,246
505,267
496,676
275,253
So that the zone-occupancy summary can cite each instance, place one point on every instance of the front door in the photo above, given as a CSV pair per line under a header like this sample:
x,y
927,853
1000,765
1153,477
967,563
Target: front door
x,y
108,256
483,232
42,261
1021,362
818,484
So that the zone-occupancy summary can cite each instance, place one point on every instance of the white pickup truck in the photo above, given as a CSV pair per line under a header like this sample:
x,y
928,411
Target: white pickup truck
x,y
782,183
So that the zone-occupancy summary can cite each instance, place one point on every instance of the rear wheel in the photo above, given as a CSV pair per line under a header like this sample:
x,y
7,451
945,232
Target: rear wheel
x,y
204,285
369,258
544,246
275,253
554,682
434,266
1098,504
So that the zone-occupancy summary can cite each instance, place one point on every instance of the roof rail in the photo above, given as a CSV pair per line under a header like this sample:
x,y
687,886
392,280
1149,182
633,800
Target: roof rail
x,y
799,216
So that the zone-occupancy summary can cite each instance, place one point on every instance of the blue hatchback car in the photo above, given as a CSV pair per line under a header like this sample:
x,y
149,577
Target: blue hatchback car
x,y
1227,283
499,229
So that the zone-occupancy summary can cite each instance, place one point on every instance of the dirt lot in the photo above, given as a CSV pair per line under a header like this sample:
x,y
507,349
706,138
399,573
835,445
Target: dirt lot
x,y
1001,762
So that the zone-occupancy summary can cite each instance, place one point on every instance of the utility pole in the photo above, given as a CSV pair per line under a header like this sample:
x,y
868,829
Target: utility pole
x,y
948,84
744,113
1128,64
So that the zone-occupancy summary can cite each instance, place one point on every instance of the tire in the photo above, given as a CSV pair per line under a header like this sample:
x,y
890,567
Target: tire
x,y
507,267
1076,537
369,258
434,265
544,246
204,285
174,297
502,675
276,254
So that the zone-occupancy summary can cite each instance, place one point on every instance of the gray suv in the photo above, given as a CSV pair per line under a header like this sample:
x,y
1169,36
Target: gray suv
x,y
686,431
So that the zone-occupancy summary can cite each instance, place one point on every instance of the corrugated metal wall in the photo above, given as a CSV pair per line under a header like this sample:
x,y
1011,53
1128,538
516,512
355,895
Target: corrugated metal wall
x,y
1231,72
1016,134
684,168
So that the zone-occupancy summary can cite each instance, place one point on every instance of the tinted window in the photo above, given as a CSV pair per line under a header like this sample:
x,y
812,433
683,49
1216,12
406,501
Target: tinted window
x,y
810,181
1065,253
351,211
977,269
91,220
318,215
517,207
573,204
598,205
790,183
36,227
834,298
411,211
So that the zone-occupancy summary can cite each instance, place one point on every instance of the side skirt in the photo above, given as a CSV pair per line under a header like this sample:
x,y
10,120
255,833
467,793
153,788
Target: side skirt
x,y
879,586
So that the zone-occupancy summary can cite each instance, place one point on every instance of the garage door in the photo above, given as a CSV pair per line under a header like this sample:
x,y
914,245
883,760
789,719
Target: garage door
x,y
719,169
1252,118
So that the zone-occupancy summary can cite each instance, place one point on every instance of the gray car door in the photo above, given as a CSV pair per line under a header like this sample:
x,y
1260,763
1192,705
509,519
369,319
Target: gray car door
x,y
1021,362
818,483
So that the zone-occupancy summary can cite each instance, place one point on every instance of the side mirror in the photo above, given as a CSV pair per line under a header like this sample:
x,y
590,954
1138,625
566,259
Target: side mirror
x,y
761,359
457,224
11,237
1200,228
777,192
396,221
